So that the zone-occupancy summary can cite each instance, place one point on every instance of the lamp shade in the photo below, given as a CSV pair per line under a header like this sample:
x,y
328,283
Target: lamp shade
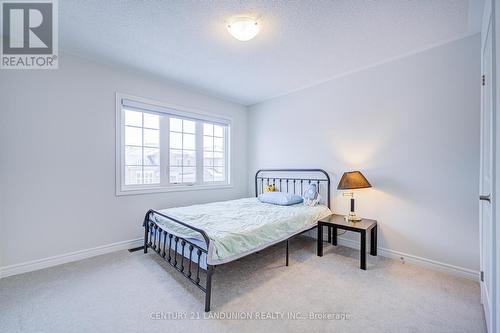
x,y
353,180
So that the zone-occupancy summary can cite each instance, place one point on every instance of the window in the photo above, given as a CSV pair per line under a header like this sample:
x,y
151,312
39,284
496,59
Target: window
x,y
160,148
213,153
182,151
142,148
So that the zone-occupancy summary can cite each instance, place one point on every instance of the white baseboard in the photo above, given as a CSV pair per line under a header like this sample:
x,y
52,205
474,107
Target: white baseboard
x,y
405,257
88,253
67,257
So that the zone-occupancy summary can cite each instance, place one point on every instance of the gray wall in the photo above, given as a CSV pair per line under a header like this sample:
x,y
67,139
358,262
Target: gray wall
x,y
412,127
57,172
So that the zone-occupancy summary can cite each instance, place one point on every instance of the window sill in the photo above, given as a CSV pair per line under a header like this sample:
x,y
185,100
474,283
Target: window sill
x,y
121,192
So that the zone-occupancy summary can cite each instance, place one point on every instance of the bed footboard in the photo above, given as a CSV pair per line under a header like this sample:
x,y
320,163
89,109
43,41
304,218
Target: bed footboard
x,y
182,254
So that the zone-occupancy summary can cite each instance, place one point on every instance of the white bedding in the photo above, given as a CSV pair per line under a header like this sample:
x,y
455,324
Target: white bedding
x,y
239,227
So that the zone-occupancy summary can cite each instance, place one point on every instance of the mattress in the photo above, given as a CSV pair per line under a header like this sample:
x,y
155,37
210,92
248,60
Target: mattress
x,y
237,228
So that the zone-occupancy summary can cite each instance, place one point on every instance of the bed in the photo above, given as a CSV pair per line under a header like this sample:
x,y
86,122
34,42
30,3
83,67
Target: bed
x,y
195,239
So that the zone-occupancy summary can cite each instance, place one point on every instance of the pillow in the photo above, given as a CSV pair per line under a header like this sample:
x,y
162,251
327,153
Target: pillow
x,y
270,188
280,198
311,195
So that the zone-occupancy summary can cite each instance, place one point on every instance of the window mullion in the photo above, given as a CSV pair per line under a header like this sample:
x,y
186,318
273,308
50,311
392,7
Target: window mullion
x,y
142,148
164,151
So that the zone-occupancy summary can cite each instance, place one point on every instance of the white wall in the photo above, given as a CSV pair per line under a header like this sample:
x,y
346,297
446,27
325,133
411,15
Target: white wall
x,y
57,171
411,126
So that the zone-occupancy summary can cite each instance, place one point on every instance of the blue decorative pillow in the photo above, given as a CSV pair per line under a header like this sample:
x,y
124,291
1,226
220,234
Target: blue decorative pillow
x,y
311,195
280,198
311,192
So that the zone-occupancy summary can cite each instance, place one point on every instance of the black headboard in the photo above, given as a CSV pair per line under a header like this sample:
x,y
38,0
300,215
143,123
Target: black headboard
x,y
293,181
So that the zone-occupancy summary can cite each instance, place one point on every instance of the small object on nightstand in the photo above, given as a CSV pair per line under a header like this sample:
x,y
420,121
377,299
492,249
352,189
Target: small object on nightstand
x,y
350,181
335,221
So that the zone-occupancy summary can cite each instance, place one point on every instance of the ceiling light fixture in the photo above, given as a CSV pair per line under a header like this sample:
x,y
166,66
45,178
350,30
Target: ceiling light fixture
x,y
243,28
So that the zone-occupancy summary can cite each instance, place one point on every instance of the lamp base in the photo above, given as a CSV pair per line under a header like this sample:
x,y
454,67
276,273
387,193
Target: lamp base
x,y
352,217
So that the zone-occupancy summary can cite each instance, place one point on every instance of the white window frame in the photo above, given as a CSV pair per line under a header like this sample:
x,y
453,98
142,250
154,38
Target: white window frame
x,y
177,111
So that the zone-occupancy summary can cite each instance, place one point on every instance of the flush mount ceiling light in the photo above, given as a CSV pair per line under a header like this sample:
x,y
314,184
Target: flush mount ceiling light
x,y
243,28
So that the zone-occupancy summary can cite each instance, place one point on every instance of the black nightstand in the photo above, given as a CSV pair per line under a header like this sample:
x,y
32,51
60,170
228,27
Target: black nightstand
x,y
335,221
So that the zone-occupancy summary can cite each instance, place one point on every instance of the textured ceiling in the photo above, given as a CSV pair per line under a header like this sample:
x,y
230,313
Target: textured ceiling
x,y
301,43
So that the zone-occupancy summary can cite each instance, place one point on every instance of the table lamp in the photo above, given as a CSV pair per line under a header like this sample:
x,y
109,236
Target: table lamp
x,y
350,181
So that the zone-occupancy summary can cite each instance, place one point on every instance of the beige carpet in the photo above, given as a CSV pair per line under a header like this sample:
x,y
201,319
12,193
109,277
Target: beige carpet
x,y
123,292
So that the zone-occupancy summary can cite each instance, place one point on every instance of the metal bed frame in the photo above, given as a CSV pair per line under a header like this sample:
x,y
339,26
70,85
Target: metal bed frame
x,y
168,245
